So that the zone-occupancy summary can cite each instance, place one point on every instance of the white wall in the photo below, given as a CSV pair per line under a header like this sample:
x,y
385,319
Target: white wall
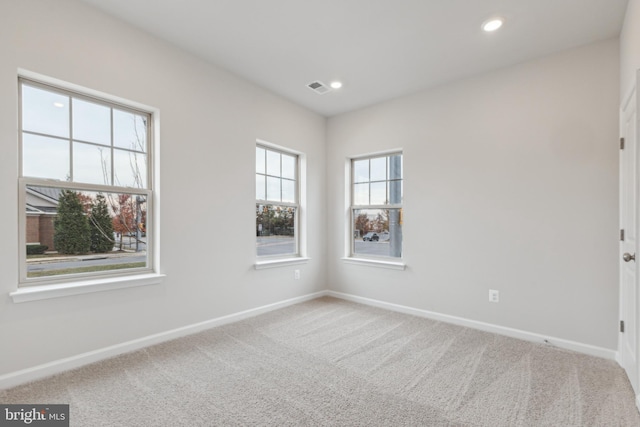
x,y
210,121
630,48
511,183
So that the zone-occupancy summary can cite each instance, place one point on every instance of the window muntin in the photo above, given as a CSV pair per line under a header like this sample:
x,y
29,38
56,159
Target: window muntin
x,y
376,206
277,207
74,143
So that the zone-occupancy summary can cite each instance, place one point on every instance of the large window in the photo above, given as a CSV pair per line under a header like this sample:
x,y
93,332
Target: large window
x,y
86,187
376,206
277,206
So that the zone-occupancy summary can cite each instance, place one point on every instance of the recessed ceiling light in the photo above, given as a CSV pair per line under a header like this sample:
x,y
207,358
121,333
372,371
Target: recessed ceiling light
x,y
58,104
336,85
492,24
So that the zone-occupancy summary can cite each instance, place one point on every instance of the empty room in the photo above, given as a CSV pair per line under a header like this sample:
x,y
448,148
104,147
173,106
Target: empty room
x,y
283,212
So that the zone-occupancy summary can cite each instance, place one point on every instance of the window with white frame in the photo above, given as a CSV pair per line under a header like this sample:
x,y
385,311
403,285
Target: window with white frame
x,y
376,206
85,186
277,203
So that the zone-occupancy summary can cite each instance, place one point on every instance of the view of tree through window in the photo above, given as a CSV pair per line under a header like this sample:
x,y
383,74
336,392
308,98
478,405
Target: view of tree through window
x,y
276,202
376,208
85,164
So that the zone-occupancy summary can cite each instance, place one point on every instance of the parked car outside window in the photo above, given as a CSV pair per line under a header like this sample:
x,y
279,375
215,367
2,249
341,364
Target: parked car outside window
x,y
371,237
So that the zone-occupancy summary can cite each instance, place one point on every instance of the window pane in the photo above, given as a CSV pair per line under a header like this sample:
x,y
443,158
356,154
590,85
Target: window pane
x,y
395,167
288,167
130,169
45,112
379,169
378,193
361,194
91,122
91,164
273,163
361,170
395,192
129,131
260,188
260,156
377,232
273,189
275,230
112,224
44,157
288,191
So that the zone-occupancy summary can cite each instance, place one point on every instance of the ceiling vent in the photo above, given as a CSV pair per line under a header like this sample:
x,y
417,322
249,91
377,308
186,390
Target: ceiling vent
x,y
318,87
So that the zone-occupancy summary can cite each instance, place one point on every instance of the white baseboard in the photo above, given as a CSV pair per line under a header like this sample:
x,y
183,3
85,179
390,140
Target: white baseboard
x,y
487,327
41,371
55,367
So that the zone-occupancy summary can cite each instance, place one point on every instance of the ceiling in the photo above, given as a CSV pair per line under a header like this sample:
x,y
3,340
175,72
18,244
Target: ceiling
x,y
379,49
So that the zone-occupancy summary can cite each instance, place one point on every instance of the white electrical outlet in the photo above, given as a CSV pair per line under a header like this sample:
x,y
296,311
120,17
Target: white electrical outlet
x,y
296,274
494,296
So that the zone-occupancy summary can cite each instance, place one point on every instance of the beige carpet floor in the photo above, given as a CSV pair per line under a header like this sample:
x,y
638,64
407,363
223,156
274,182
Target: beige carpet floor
x,y
329,362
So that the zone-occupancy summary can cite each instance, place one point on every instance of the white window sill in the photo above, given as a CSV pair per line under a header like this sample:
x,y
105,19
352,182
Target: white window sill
x,y
281,262
40,292
392,265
